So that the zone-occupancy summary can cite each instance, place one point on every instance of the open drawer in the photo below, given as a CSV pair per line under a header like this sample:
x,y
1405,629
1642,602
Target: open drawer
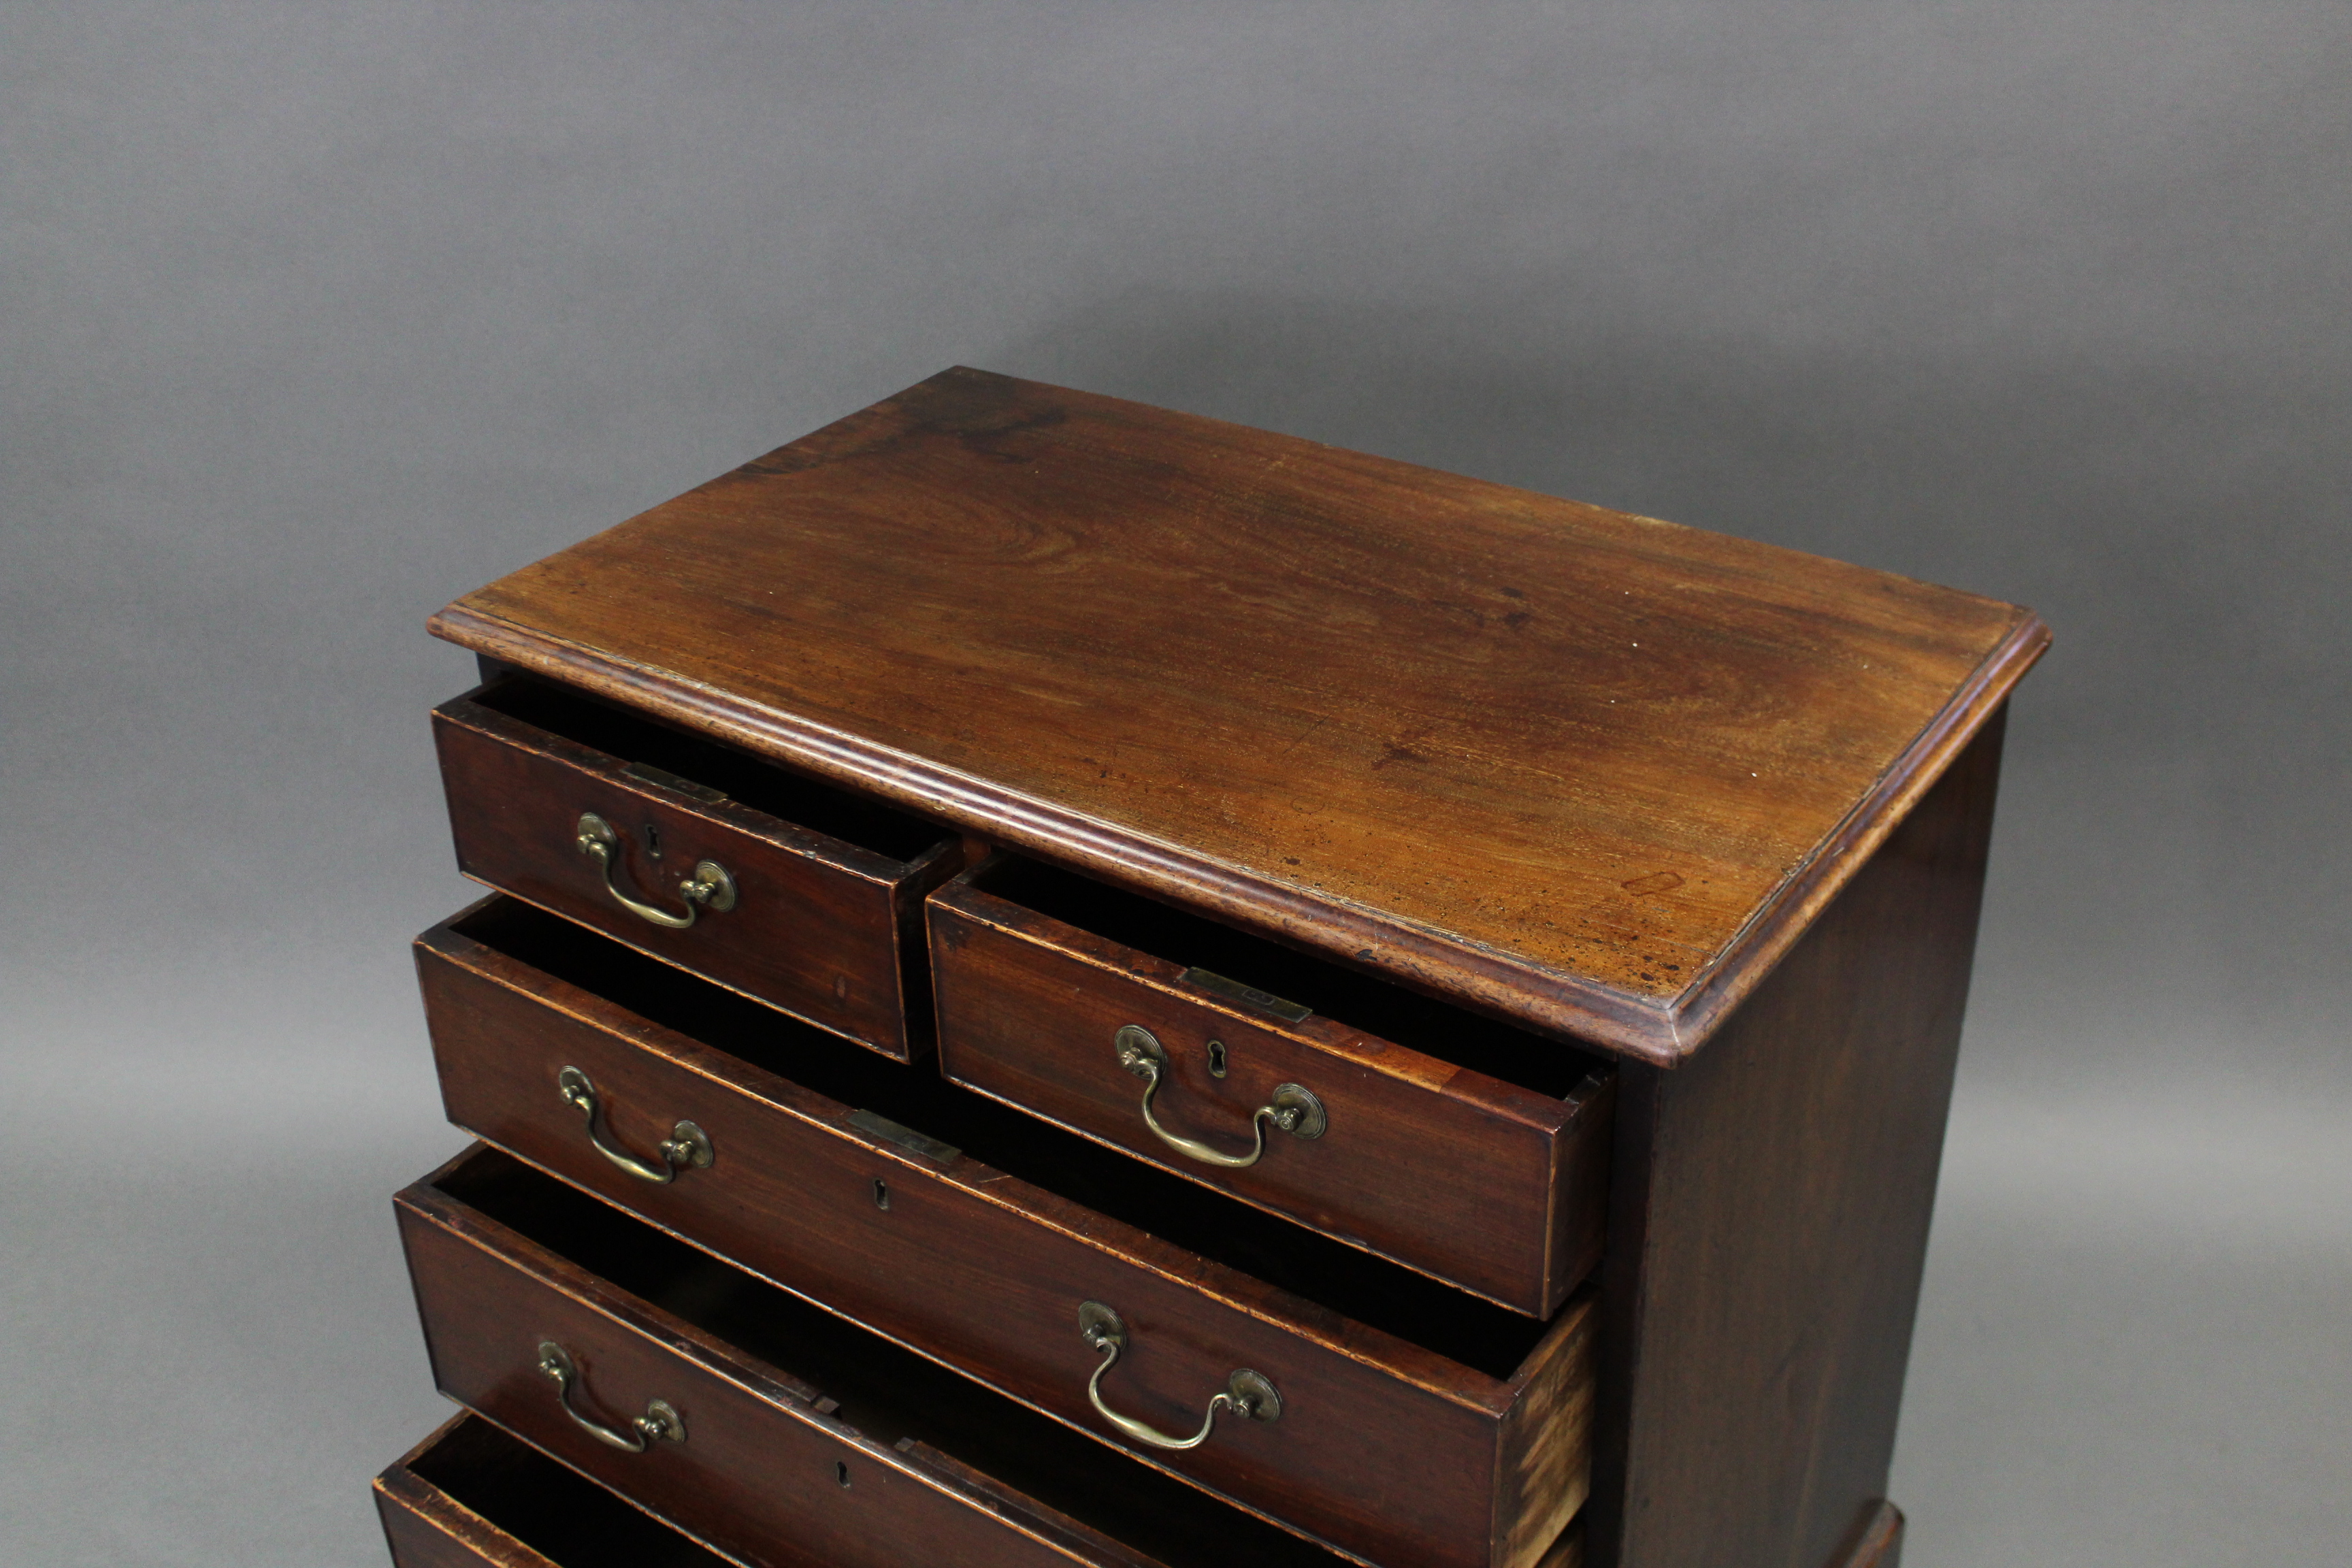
x,y
775,1432
1297,1376
1459,1146
471,1494
787,889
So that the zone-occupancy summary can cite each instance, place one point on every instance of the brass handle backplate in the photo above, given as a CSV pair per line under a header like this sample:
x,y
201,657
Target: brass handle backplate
x,y
1291,1107
660,1423
1247,1394
687,1148
710,887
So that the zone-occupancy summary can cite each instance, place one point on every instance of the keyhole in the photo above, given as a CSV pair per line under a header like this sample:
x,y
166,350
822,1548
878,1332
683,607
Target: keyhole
x,y
653,841
1216,1059
840,1472
881,1194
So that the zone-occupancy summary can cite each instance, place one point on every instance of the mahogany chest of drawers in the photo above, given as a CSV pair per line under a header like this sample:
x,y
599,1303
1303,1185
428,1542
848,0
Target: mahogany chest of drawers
x,y
1069,984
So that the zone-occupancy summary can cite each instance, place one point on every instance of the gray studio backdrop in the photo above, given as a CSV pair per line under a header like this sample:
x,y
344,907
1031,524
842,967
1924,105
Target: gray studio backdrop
x,y
315,316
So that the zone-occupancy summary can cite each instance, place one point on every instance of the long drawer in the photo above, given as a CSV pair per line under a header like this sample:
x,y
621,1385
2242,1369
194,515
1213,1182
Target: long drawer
x,y
1135,1307
778,1434
1455,1145
777,886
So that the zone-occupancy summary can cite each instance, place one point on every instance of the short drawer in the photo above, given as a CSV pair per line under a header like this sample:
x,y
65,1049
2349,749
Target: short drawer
x,y
608,819
775,1432
1453,1144
470,1494
979,1235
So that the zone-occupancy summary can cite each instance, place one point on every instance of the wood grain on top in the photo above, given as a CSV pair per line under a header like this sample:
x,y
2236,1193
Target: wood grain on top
x,y
1586,769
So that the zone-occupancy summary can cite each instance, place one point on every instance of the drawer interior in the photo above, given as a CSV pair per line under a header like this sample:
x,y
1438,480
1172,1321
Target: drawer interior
x,y
887,1393
762,786
1359,1001
547,1507
1479,1335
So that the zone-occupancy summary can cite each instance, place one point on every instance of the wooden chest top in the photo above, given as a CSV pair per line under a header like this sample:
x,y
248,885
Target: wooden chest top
x,y
1589,770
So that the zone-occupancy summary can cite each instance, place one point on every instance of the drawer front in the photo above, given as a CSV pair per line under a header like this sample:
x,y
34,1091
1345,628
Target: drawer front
x,y
749,1455
825,930
1448,1171
988,1274
470,1494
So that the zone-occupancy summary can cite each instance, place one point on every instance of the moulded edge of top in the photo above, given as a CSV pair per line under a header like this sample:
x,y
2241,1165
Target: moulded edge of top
x,y
1504,984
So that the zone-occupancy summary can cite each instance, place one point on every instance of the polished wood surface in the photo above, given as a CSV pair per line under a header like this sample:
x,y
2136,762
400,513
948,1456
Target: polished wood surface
x,y
470,1495
1768,1223
1490,1185
985,1272
1580,768
826,930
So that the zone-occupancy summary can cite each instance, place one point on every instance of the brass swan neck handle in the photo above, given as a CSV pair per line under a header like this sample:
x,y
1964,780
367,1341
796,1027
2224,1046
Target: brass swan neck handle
x,y
687,1147
1291,1107
1247,1394
660,1424
710,887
